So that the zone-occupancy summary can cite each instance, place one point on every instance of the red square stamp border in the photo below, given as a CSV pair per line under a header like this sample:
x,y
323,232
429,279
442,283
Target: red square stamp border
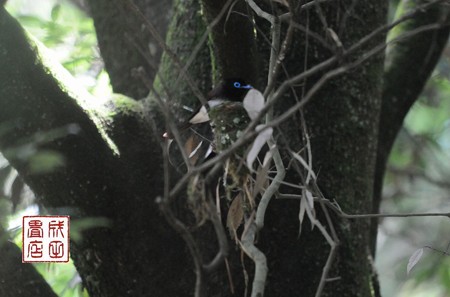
x,y
68,238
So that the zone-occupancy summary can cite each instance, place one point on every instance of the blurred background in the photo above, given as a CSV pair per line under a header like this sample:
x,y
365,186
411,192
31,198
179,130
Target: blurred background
x,y
417,178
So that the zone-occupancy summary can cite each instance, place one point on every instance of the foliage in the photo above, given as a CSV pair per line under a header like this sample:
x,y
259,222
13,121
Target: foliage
x,y
70,34
417,180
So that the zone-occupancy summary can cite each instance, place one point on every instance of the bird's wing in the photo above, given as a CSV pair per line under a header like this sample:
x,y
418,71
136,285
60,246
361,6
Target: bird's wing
x,y
200,116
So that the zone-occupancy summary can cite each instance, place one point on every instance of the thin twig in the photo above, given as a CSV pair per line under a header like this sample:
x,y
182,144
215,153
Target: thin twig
x,y
327,63
221,239
249,133
178,226
171,126
261,13
312,3
416,173
334,244
331,256
445,253
272,189
331,74
258,257
344,215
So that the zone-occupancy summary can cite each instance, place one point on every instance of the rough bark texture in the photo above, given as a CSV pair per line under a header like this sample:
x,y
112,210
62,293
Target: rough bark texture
x,y
233,45
185,33
342,120
112,261
126,44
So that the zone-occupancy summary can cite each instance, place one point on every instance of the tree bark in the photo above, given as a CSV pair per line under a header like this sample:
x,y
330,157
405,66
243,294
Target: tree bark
x,y
342,121
126,44
347,108
40,114
233,43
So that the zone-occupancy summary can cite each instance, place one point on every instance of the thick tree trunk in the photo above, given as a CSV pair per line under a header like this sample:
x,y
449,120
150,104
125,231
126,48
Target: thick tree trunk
x,y
346,110
101,176
342,121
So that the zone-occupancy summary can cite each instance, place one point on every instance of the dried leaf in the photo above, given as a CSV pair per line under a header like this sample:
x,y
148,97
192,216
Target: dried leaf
x,y
335,38
307,205
248,222
258,143
308,196
253,103
235,216
262,176
268,157
250,199
414,259
310,199
301,214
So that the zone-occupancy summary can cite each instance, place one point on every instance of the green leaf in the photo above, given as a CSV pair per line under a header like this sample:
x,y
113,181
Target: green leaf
x,y
55,12
46,161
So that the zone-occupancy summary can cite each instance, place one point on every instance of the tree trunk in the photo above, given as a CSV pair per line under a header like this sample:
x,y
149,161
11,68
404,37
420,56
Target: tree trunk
x,y
18,279
125,43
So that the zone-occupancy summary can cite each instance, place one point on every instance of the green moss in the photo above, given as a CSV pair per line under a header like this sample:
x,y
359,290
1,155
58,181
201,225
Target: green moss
x,y
126,105
184,43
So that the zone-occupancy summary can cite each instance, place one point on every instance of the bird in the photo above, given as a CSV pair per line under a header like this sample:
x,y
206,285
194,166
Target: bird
x,y
229,90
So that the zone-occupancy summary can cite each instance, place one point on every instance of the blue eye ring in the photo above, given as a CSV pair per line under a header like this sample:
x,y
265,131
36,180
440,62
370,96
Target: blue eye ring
x,y
236,84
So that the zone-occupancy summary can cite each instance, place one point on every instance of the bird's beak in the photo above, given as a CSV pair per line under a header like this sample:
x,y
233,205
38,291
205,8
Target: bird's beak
x,y
247,87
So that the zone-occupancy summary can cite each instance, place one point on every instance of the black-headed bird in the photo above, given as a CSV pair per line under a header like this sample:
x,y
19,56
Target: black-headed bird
x,y
229,90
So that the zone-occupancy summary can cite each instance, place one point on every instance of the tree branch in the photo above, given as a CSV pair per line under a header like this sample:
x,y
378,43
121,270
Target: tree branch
x,y
404,79
45,111
233,45
112,24
42,113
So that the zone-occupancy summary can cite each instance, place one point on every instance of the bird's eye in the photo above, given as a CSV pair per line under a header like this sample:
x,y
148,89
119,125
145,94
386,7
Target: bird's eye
x,y
237,85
